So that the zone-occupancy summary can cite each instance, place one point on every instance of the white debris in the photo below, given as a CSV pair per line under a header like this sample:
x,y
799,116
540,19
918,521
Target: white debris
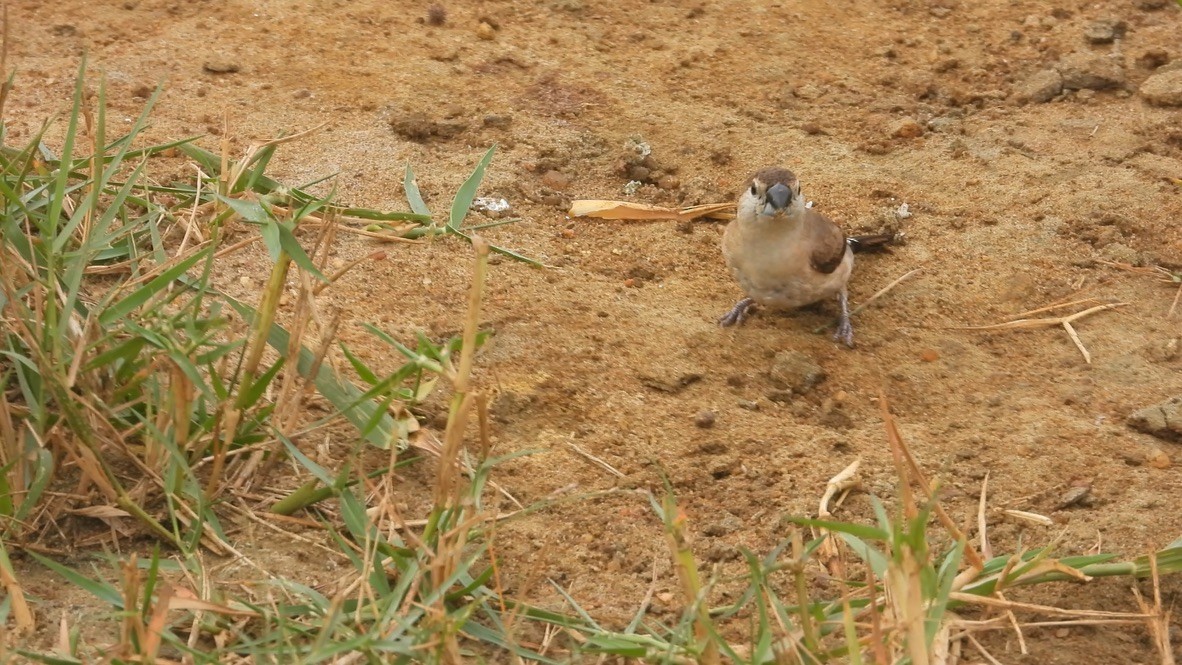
x,y
808,204
639,146
491,205
632,187
903,212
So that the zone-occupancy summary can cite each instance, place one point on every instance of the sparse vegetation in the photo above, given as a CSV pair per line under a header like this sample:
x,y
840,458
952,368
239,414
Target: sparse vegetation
x,y
133,388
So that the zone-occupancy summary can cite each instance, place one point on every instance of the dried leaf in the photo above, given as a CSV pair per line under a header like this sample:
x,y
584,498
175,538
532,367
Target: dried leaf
x,y
602,209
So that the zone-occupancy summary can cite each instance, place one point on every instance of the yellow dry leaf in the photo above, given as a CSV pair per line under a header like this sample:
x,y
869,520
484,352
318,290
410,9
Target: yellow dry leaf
x,y
603,209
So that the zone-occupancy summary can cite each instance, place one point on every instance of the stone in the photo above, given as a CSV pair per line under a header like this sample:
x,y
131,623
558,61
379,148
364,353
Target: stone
x,y
1163,420
221,67
556,180
1163,88
1091,72
906,128
1040,87
1105,31
485,31
705,419
794,371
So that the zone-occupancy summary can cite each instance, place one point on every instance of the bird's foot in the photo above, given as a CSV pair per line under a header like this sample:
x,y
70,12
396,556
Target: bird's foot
x,y
738,313
845,332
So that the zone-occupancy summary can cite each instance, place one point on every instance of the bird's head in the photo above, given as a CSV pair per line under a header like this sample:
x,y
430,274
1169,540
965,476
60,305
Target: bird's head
x,y
771,193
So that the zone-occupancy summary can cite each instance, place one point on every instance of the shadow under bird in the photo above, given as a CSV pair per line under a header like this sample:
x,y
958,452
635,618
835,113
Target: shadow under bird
x,y
786,255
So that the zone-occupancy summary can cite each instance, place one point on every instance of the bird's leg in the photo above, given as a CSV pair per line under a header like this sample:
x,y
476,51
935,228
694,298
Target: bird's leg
x,y
845,330
737,314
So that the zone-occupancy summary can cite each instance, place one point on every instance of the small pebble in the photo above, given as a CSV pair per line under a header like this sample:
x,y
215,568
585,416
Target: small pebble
x,y
1158,459
1105,31
220,67
704,419
556,180
485,31
436,15
669,182
906,128
929,355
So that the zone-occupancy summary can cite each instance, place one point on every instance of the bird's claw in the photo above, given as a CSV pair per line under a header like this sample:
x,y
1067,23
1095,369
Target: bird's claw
x,y
845,332
738,313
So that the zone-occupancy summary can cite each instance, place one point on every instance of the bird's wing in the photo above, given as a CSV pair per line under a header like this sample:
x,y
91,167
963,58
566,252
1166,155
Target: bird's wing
x,y
826,241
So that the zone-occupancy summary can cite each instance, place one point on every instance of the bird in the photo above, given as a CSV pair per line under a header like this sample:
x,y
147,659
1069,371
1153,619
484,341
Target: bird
x,y
786,255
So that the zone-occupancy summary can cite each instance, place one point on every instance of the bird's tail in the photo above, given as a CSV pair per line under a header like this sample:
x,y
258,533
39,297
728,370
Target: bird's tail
x,y
873,243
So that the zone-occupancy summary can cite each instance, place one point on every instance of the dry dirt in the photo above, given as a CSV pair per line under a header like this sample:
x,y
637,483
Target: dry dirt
x,y
1013,206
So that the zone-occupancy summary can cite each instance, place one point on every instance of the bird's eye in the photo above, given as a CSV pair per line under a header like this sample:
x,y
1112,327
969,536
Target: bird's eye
x,y
754,190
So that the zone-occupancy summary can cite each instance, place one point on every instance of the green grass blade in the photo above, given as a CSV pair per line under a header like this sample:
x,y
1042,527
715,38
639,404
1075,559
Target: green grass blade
x,y
467,192
414,197
137,298
101,590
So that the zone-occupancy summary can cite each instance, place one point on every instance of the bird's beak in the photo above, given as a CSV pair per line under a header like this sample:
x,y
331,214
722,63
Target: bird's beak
x,y
778,197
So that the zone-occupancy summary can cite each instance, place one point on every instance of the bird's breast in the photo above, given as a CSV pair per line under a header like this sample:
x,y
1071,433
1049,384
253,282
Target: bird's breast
x,y
772,264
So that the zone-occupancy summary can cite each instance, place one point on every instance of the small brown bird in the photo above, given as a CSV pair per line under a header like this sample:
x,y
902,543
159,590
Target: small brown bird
x,y
784,254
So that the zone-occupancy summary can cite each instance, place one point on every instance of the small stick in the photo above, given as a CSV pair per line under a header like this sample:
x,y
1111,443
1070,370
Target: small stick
x,y
1048,308
1064,321
883,291
595,460
986,550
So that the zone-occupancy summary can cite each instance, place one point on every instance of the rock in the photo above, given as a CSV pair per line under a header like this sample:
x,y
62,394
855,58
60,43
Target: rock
x,y
727,524
486,31
1163,420
436,14
1158,459
556,180
220,67
668,182
497,121
671,382
1105,31
793,370
419,127
1153,58
1090,72
906,128
1040,87
1151,5
1163,89
704,419
1080,495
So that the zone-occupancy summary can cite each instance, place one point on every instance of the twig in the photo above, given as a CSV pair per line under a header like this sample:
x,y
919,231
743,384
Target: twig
x,y
595,460
986,550
884,290
880,293
980,649
1064,321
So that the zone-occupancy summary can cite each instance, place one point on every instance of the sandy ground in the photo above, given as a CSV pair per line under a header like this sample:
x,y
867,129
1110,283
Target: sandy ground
x,y
1014,204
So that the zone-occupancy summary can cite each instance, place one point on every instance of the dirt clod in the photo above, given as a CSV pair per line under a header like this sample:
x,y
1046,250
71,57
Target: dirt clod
x,y
906,128
1163,420
1163,89
1091,72
795,372
1040,87
419,127
1105,31
221,67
